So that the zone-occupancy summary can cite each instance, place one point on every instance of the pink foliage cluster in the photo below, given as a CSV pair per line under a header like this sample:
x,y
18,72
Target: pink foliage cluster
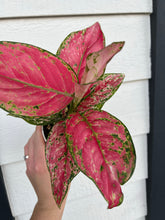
x,y
68,90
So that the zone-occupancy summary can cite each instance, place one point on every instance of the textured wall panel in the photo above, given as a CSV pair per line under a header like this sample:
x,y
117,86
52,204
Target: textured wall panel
x,y
22,8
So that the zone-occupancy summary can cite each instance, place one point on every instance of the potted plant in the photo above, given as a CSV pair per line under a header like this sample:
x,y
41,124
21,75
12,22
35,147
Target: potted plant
x,y
66,92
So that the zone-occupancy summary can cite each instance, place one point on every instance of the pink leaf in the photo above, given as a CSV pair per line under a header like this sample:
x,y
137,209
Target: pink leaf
x,y
97,61
34,84
100,92
103,149
59,161
78,45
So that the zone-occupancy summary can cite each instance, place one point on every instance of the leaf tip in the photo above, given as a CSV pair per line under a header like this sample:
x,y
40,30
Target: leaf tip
x,y
116,203
120,44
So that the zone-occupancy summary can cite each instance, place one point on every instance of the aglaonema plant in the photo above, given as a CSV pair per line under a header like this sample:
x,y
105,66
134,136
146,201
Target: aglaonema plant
x,y
68,90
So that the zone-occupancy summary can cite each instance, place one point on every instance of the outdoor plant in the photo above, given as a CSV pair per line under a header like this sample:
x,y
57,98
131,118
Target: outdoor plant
x,y
67,91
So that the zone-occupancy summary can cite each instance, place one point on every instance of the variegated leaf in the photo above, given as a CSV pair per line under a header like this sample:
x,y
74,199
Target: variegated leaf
x,y
100,92
78,45
95,66
59,161
34,84
97,61
103,150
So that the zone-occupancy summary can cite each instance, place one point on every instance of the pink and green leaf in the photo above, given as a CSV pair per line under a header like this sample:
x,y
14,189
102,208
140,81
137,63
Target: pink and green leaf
x,y
78,45
59,161
103,150
34,84
100,92
95,66
97,61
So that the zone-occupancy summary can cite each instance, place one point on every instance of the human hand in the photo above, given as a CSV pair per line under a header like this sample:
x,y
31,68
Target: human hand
x,y
39,177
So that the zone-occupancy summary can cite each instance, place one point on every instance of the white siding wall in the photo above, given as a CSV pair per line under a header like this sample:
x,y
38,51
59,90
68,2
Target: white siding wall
x,y
45,23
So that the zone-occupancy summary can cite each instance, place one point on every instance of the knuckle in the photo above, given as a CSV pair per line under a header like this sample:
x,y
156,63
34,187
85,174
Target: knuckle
x,y
39,169
35,169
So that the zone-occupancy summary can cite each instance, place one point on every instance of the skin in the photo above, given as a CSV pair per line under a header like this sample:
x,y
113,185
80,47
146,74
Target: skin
x,y
39,177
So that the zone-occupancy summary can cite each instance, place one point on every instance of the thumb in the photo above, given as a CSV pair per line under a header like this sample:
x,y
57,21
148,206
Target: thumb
x,y
39,131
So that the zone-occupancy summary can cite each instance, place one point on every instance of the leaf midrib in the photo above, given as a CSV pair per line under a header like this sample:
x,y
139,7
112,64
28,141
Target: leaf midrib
x,y
94,134
39,87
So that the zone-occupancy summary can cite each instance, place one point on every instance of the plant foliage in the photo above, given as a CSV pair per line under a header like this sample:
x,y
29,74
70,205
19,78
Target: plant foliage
x,y
68,91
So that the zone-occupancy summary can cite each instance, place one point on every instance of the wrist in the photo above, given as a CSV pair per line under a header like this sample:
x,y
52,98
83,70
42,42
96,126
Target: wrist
x,y
43,211
47,204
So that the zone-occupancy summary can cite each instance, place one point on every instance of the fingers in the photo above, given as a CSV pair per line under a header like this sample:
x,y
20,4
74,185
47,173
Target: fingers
x,y
35,149
28,150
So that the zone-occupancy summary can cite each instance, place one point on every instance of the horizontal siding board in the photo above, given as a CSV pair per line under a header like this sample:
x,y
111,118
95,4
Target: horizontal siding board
x,y
141,169
129,104
14,133
93,206
48,33
22,197
23,217
23,8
